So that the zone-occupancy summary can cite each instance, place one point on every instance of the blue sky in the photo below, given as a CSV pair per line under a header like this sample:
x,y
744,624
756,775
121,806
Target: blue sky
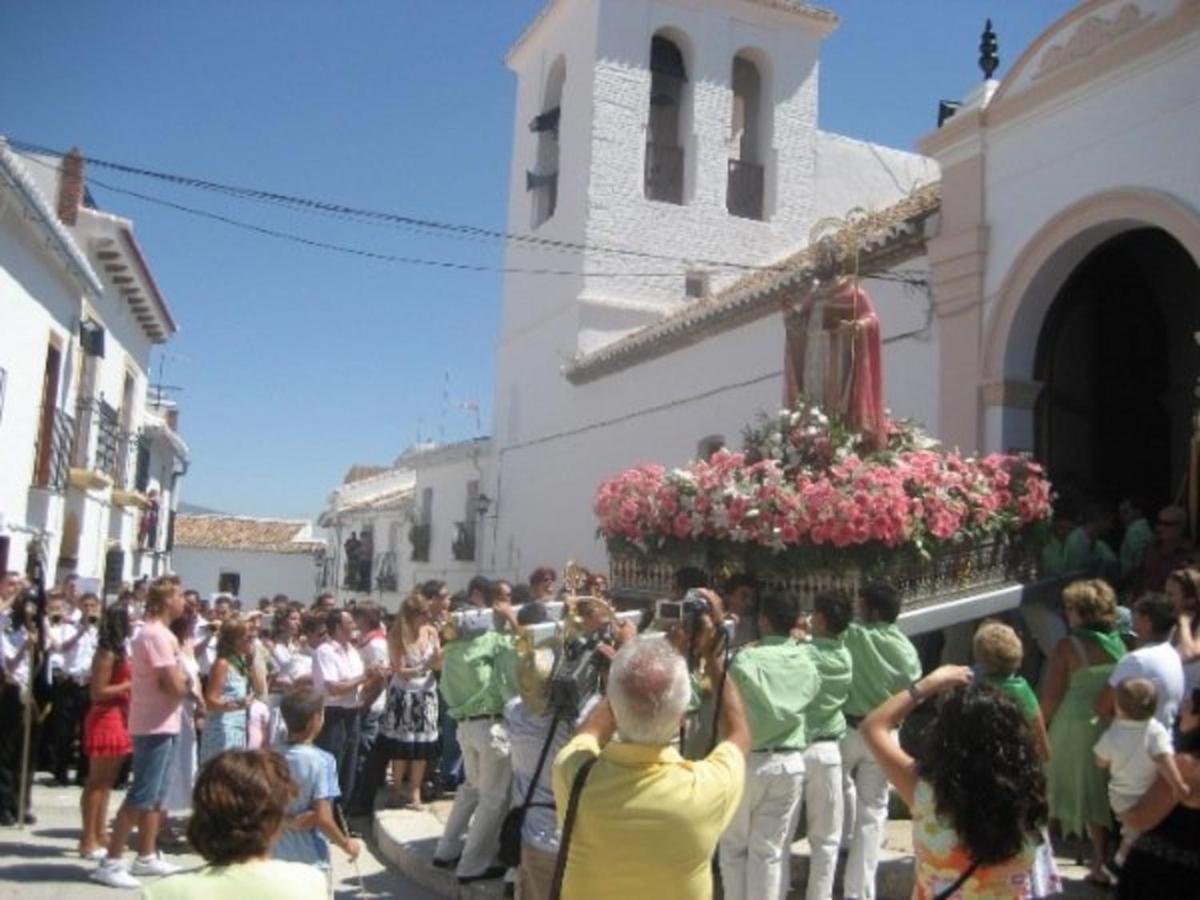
x,y
296,362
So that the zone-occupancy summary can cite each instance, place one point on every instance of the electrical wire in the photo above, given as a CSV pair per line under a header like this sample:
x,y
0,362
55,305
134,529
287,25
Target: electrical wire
x,y
419,225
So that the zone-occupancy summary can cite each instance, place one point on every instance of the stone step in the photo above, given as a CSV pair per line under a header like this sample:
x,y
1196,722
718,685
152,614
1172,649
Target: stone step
x,y
406,840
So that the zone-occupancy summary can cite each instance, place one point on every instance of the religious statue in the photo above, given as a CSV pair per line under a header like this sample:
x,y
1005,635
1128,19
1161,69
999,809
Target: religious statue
x,y
834,356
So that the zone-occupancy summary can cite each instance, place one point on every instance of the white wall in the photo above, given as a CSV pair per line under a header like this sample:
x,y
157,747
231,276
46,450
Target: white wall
x,y
263,574
449,480
1137,127
37,300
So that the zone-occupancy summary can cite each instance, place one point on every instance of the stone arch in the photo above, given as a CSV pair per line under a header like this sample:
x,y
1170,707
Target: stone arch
x,y
1049,257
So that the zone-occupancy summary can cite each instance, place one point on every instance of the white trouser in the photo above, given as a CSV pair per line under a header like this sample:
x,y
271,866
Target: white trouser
x,y
823,814
757,844
866,793
484,795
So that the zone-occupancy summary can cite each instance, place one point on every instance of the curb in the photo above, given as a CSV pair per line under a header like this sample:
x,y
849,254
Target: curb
x,y
405,840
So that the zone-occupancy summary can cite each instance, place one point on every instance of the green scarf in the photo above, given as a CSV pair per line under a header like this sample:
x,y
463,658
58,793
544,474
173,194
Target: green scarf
x,y
1108,641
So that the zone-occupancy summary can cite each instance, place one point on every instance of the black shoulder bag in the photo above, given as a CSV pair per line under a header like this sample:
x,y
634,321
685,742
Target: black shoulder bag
x,y
947,893
514,820
564,846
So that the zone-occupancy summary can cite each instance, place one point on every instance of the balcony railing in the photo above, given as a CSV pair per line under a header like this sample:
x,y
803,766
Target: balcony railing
x,y
52,458
744,191
664,173
101,445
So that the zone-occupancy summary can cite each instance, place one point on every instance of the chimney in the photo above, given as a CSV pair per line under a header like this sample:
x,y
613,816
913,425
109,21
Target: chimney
x,y
70,187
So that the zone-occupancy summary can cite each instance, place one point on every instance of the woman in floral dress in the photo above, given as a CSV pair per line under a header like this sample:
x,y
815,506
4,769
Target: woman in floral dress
x,y
411,715
977,794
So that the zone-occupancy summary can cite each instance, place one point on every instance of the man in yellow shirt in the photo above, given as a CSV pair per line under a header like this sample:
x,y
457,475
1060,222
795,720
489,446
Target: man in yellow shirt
x,y
648,820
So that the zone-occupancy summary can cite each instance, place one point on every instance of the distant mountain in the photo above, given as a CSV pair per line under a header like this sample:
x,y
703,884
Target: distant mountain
x,y
191,509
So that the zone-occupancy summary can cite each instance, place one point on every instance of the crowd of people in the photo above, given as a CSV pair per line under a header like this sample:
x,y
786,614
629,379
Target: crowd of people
x,y
711,741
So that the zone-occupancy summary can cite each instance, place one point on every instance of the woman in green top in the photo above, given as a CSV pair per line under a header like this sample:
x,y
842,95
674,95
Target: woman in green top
x,y
1079,669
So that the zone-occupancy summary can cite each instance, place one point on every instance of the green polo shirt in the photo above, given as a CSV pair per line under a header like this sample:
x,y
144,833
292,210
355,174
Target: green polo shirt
x,y
777,680
477,675
1138,538
1017,688
884,662
823,718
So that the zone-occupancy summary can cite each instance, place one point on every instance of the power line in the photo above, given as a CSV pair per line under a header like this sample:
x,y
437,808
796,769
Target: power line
x,y
422,225
358,251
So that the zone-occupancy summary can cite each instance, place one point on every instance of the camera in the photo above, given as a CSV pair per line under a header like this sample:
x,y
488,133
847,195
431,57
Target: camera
x,y
56,619
93,620
694,604
577,673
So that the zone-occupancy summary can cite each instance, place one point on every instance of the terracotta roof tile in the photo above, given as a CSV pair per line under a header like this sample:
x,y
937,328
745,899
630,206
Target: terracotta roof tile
x,y
895,229
238,533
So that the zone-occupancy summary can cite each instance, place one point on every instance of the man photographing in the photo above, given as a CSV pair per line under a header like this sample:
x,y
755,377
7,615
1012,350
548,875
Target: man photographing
x,y
647,821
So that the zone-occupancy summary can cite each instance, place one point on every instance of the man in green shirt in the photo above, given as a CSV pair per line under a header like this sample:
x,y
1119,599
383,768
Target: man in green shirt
x,y
825,724
777,680
476,686
884,661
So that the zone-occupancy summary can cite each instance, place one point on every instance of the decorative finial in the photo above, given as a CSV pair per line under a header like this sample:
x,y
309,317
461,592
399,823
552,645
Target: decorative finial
x,y
989,60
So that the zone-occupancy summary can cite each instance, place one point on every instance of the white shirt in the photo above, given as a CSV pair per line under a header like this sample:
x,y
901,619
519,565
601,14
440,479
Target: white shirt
x,y
1130,748
375,653
335,663
58,635
204,644
1161,664
11,645
78,659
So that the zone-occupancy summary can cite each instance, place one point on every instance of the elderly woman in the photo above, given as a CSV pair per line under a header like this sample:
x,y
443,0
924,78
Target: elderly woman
x,y
1079,669
238,815
977,794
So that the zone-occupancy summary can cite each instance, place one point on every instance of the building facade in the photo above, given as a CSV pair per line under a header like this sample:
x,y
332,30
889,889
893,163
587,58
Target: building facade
x,y
675,149
248,558
91,473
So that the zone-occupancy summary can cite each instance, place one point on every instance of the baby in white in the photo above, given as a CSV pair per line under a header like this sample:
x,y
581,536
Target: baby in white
x,y
1136,749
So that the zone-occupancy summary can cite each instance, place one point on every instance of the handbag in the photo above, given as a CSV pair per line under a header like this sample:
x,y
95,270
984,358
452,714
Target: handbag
x,y
560,864
514,819
947,893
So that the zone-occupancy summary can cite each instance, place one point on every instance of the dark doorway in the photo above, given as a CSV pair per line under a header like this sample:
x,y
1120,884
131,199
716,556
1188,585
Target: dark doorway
x,y
1119,363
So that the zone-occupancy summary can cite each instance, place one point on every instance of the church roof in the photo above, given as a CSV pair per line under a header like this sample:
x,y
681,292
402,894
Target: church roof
x,y
826,18
894,234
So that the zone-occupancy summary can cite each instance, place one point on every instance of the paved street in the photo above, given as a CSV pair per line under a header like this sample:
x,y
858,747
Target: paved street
x,y
39,863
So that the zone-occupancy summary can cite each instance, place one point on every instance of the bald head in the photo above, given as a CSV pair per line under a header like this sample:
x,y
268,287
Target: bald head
x,y
648,690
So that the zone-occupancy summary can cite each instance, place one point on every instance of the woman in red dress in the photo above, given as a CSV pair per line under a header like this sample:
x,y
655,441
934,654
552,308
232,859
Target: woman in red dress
x,y
106,738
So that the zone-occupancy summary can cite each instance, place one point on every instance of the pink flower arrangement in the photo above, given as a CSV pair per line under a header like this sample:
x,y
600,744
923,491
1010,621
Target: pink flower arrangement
x,y
821,493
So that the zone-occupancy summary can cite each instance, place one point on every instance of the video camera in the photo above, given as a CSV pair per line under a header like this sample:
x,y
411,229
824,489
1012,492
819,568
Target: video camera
x,y
579,668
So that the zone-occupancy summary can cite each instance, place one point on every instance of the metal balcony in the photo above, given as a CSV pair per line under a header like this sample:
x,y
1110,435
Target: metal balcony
x,y
52,456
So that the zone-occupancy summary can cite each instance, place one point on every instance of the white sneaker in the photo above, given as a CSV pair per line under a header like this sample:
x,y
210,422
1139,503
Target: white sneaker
x,y
153,866
114,875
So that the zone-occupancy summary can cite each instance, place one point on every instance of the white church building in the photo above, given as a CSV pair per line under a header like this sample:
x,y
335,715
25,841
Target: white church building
x,y
678,144
1034,266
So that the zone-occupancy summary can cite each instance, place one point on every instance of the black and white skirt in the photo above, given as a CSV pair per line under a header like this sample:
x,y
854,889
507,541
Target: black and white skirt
x,y
410,723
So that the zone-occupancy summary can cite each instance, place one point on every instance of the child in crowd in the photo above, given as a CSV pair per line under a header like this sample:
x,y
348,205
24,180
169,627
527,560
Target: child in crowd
x,y
1136,749
998,656
311,823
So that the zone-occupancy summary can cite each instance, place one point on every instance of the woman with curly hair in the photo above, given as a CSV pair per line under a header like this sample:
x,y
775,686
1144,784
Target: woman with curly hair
x,y
977,793
1079,669
239,811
